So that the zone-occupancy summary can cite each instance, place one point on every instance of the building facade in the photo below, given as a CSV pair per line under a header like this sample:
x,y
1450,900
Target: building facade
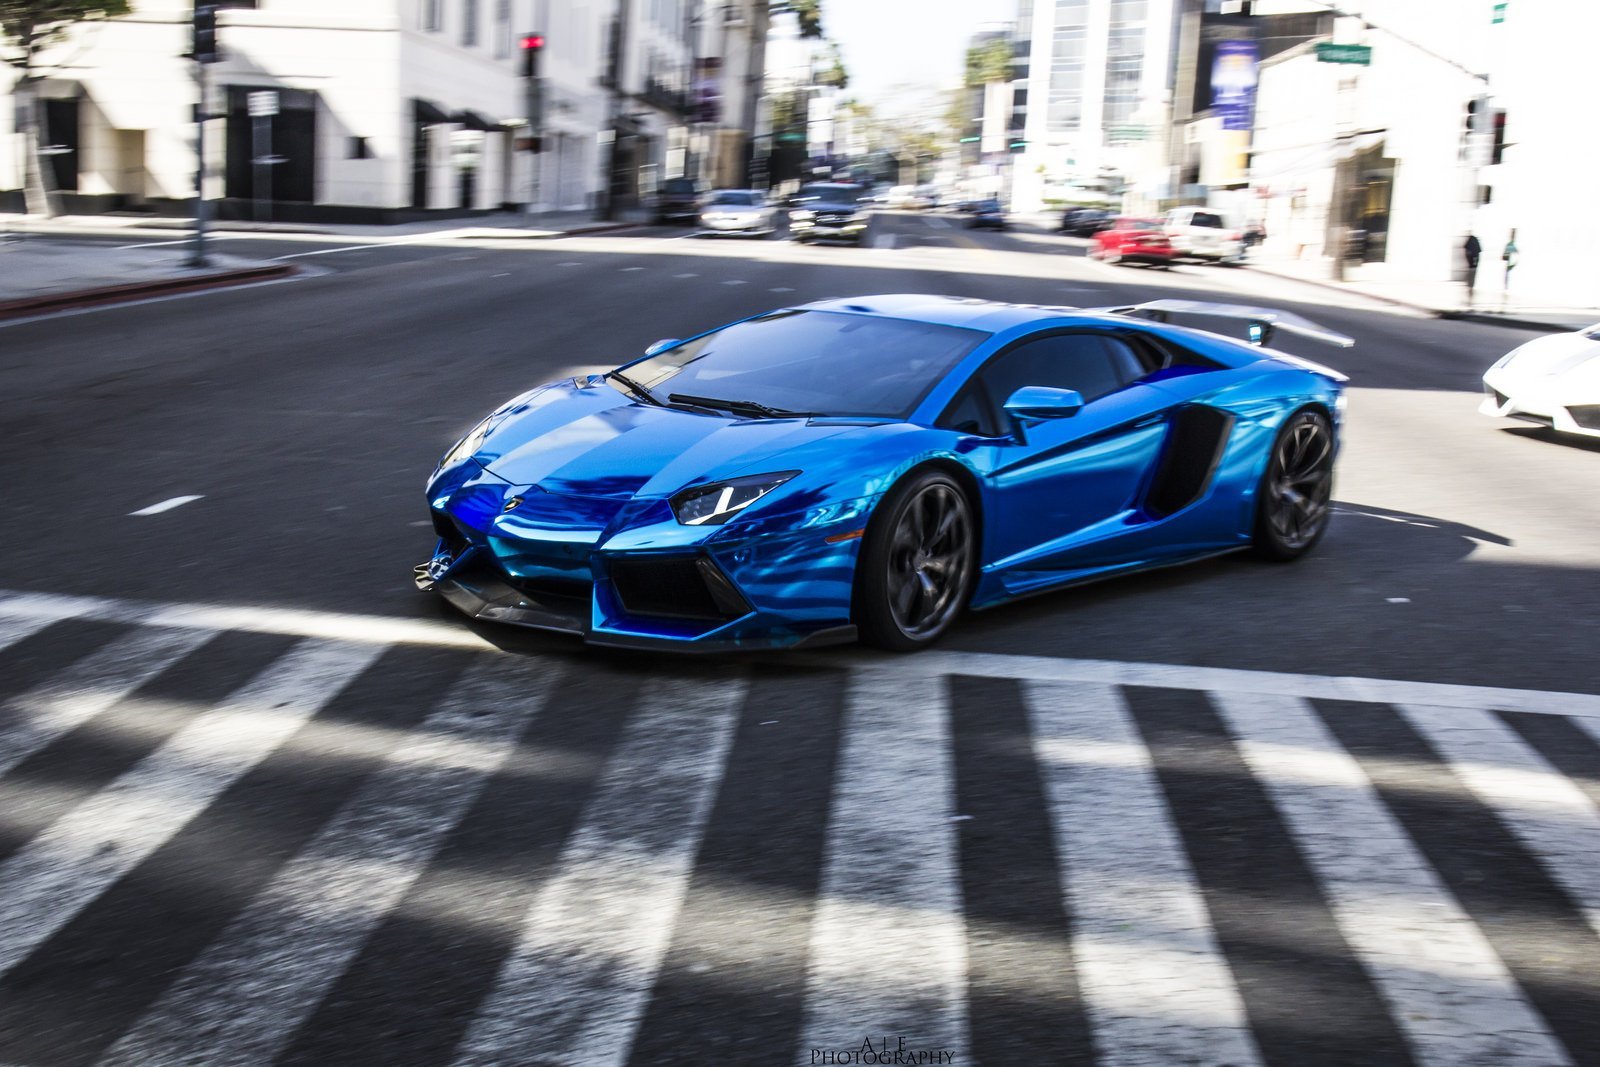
x,y
383,109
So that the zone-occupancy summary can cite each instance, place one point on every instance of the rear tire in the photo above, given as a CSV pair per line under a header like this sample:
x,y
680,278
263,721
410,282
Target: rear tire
x,y
918,563
1293,500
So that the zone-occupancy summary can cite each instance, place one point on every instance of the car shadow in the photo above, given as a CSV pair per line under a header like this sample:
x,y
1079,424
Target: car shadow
x,y
1546,434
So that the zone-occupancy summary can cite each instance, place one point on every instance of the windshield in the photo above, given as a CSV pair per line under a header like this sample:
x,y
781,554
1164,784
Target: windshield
x,y
1206,219
823,362
837,194
738,197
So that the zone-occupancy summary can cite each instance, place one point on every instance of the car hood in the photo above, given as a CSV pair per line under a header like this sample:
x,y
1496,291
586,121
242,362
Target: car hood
x,y
1556,354
588,440
829,205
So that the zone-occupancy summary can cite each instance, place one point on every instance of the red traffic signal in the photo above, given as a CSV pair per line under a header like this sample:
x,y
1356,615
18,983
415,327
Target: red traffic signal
x,y
532,48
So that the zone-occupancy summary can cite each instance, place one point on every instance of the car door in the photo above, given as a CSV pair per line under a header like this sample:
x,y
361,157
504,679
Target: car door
x,y
1061,490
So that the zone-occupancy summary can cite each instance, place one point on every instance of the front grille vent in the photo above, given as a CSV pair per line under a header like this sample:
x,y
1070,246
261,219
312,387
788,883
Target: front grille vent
x,y
1587,416
689,587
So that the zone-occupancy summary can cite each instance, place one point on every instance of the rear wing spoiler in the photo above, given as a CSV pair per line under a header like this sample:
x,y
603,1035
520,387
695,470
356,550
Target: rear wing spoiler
x,y
1263,322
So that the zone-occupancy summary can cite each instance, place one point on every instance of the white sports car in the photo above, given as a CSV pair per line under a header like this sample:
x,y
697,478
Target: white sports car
x,y
1552,380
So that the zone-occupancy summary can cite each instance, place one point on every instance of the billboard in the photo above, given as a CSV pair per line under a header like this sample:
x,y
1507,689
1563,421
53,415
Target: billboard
x,y
1233,84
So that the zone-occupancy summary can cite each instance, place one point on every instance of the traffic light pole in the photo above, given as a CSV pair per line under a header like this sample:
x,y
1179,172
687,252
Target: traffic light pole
x,y
197,258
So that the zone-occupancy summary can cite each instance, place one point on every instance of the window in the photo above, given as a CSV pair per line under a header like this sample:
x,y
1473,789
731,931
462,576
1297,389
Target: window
x,y
502,29
432,15
1093,364
359,148
469,23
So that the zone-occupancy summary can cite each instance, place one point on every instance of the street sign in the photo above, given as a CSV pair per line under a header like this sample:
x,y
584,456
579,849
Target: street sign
x,y
263,103
1344,53
1498,12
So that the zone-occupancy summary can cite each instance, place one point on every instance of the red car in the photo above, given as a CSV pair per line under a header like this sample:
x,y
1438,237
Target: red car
x,y
1131,240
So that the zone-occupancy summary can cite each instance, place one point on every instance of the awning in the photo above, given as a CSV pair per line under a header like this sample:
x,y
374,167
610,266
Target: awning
x,y
1280,162
474,121
428,114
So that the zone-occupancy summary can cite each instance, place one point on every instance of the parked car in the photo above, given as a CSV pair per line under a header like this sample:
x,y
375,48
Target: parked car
x,y
987,214
678,200
737,211
901,196
829,211
1085,221
1199,233
1134,240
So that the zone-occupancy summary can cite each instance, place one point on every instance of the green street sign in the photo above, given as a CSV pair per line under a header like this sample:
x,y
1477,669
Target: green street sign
x,y
1498,12
1344,53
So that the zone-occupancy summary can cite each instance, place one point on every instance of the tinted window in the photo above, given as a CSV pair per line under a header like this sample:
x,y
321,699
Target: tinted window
x,y
1205,218
678,187
735,196
821,361
1092,364
831,193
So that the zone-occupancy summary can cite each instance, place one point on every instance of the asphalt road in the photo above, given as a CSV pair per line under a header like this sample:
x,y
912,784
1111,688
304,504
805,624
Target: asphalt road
x,y
265,832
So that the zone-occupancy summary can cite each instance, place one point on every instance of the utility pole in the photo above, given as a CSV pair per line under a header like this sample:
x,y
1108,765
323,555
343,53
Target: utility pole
x,y
610,177
205,53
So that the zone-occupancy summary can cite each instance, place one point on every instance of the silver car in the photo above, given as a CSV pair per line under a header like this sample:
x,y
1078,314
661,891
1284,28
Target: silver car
x,y
737,211
1199,233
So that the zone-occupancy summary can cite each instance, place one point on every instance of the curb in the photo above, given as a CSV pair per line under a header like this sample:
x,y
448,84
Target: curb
x,y
551,235
1485,317
118,294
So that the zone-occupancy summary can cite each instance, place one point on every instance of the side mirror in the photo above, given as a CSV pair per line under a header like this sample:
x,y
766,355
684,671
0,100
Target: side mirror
x,y
662,345
1033,403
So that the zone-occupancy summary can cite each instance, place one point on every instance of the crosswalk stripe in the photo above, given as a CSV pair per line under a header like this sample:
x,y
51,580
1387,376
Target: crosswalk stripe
x,y
1154,979
888,953
574,988
1552,816
1447,989
14,629
244,996
66,867
32,720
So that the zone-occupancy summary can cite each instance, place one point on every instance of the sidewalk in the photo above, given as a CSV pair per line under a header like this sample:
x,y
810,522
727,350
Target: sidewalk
x,y
1446,300
39,273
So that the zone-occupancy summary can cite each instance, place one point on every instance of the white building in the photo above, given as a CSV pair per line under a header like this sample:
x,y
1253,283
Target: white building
x,y
386,108
1383,150
1098,78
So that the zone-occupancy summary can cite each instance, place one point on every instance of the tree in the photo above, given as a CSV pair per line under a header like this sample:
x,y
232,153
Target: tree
x,y
808,11
27,28
989,62
833,72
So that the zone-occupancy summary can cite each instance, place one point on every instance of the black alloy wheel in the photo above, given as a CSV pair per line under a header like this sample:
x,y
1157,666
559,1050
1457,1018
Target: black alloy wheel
x,y
918,563
1293,502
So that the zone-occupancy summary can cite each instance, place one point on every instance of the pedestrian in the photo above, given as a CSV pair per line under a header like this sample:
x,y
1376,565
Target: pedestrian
x,y
1509,257
1472,249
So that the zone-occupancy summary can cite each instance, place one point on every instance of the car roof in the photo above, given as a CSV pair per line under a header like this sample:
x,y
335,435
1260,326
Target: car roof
x,y
969,313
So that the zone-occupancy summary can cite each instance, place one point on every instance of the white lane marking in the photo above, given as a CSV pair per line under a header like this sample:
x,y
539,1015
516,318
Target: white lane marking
x,y
625,270
936,222
688,274
913,980
32,720
243,998
67,866
368,247
502,274
576,984
570,264
884,241
168,505
780,289
1153,978
14,629
389,629
169,244
1546,809
1447,988
734,281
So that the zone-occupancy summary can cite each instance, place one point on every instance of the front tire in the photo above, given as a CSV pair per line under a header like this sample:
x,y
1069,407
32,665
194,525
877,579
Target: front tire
x,y
918,563
1293,501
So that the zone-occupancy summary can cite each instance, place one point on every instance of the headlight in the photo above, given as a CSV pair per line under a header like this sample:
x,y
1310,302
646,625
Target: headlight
x,y
469,444
714,504
802,215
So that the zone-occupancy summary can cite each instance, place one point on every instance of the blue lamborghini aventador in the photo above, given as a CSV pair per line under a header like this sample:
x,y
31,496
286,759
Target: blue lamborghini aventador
x,y
871,467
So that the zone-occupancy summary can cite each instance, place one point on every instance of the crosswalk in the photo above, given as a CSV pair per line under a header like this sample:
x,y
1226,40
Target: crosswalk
x,y
256,836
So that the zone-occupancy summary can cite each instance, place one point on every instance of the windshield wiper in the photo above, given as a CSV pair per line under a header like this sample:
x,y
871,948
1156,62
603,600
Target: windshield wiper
x,y
635,388
738,407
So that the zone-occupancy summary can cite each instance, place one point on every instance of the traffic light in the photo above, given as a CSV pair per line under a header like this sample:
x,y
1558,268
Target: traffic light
x,y
1499,136
205,34
1470,125
532,49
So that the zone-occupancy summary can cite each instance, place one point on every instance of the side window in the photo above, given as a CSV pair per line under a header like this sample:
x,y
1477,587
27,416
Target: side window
x,y
1086,362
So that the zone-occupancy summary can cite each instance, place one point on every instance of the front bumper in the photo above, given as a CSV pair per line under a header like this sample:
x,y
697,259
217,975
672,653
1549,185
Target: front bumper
x,y
735,225
627,574
1502,399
